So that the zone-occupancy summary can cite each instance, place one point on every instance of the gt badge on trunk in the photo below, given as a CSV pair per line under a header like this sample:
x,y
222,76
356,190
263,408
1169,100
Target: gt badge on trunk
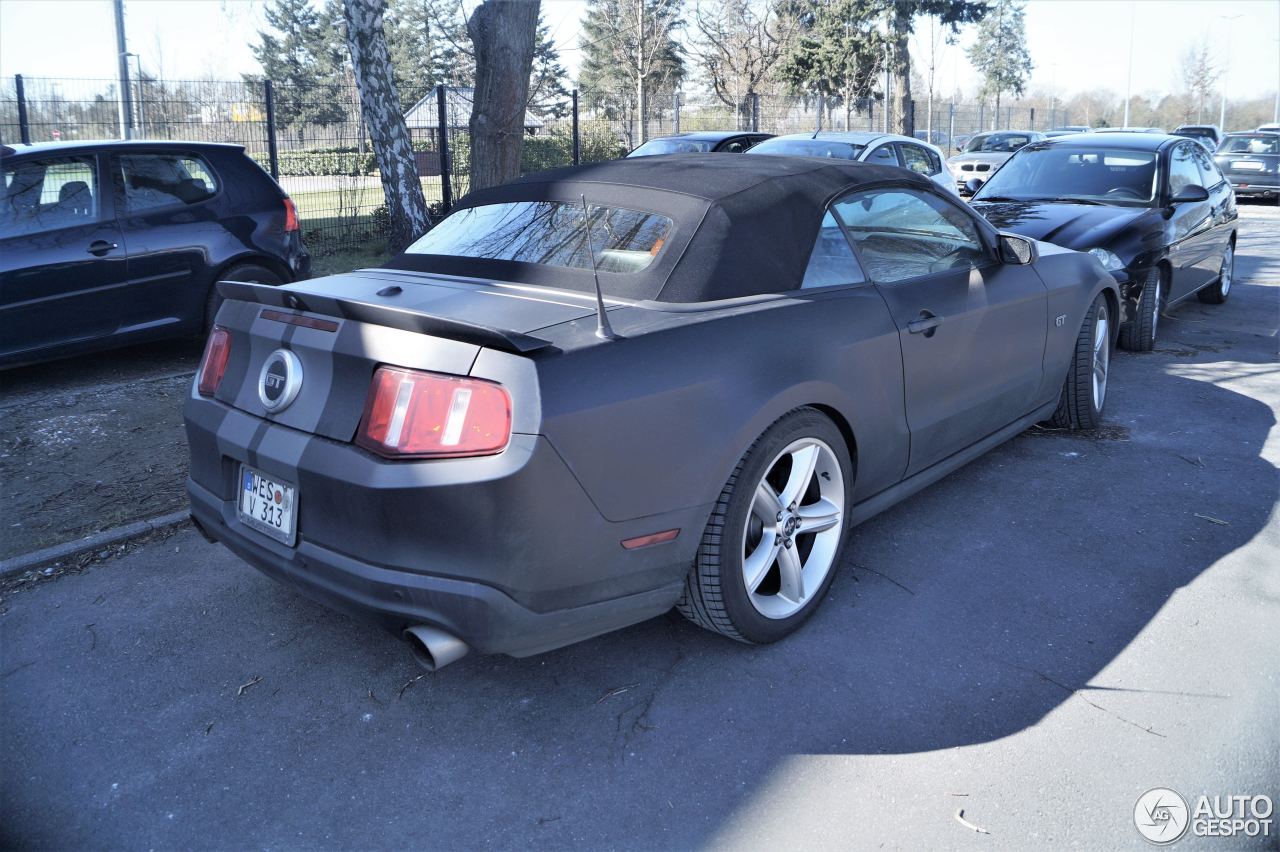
x,y
280,380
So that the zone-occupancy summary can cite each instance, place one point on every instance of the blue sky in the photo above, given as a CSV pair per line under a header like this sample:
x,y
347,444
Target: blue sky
x,y
1077,44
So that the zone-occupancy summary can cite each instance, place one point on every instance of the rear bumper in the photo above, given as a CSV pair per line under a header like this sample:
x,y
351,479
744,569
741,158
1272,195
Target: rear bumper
x,y
507,553
1263,186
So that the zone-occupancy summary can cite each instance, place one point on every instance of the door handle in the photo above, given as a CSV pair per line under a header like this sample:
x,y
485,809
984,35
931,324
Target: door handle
x,y
924,324
101,247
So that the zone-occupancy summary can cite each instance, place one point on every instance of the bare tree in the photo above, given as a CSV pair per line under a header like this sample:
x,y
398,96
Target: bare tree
x,y
738,43
380,105
1199,74
504,35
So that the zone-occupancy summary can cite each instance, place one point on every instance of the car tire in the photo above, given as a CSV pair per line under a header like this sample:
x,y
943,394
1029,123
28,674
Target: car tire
x,y
1084,393
1219,291
792,568
249,272
1140,334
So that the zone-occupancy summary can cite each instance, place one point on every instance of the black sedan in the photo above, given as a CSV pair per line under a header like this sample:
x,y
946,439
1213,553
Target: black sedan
x,y
594,394
1154,209
108,243
1251,162
701,142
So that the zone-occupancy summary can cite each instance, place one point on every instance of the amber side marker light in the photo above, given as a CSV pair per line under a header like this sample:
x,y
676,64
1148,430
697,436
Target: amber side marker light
x,y
213,366
647,540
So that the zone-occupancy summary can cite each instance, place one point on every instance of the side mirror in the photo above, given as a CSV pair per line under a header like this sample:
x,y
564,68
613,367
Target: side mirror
x,y
972,185
1017,250
1189,194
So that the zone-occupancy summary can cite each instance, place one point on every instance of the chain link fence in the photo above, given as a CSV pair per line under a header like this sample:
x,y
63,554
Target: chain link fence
x,y
312,140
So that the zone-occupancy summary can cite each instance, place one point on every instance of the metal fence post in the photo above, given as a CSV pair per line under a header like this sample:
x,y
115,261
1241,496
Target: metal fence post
x,y
675,111
446,177
821,105
273,154
24,126
1033,119
577,139
982,117
951,125
755,112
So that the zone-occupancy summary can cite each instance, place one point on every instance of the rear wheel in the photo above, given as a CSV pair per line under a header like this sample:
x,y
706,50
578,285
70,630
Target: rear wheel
x,y
1085,391
1217,293
250,272
776,535
1140,335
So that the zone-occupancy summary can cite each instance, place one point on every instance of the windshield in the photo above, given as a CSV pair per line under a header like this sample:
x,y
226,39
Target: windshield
x,y
830,148
1251,143
549,232
996,143
671,146
1070,173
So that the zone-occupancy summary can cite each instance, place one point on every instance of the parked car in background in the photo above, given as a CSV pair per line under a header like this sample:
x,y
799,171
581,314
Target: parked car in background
x,y
937,138
108,243
1155,210
701,142
1208,135
1251,162
765,316
1269,128
881,149
1128,130
1068,129
986,152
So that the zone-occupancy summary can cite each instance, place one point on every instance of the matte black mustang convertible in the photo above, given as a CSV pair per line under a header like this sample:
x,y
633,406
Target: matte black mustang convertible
x,y
475,448
1154,209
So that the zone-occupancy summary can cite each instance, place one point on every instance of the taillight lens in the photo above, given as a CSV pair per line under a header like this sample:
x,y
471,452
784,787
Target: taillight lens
x,y
425,415
213,366
290,215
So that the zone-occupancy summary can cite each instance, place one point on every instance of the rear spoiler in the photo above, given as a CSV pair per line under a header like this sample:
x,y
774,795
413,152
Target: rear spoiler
x,y
407,320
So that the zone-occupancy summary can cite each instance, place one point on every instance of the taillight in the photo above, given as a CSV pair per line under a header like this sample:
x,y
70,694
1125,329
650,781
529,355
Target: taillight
x,y
213,366
290,215
426,415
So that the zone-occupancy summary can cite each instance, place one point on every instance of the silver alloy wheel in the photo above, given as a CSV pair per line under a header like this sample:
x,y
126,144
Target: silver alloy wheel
x,y
792,534
1101,357
1227,270
1155,308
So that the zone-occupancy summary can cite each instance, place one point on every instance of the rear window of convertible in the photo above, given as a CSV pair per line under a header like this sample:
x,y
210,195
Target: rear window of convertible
x,y
552,233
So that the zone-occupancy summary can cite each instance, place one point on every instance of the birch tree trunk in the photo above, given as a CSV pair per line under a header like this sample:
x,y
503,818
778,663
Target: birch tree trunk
x,y
903,122
380,106
504,33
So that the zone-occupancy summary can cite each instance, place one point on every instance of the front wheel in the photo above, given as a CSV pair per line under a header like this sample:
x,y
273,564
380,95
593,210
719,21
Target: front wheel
x,y
776,535
1085,391
1217,293
1140,335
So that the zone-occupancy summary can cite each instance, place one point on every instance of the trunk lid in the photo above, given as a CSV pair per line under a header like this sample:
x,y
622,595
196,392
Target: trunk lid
x,y
341,328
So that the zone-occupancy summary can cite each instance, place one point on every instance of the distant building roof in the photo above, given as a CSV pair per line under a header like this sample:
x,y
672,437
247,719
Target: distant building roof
x,y
458,99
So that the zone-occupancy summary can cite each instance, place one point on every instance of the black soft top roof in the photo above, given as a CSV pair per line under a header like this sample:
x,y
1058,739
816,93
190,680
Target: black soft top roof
x,y
742,226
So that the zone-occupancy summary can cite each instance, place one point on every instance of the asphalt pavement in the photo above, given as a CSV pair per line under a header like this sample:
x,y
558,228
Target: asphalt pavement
x,y
1024,648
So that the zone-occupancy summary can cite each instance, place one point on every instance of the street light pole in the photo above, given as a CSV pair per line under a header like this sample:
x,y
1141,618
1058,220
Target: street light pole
x,y
122,57
1226,68
1128,86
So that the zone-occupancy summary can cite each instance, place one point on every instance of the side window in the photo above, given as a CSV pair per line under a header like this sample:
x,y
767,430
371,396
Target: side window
x,y
917,159
1183,171
904,233
882,156
152,181
1209,174
44,195
832,262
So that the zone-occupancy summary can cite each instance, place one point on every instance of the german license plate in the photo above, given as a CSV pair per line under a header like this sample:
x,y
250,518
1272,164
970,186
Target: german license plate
x,y
1247,165
267,504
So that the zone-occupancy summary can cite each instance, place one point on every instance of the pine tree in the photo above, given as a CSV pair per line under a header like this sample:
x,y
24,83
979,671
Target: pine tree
x,y
902,15
302,55
631,59
1000,52
547,93
838,53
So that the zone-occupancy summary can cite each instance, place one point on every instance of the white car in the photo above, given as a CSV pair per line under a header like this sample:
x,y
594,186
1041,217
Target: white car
x,y
885,149
986,152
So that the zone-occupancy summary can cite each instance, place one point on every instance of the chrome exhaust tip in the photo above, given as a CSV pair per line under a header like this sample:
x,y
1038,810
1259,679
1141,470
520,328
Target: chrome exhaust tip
x,y
433,648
